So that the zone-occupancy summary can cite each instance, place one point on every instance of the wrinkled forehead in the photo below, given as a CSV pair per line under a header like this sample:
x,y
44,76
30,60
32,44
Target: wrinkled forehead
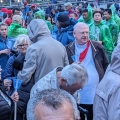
x,y
81,28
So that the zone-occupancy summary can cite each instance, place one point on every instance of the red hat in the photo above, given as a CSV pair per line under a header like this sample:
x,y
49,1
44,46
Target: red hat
x,y
8,21
33,5
9,12
4,10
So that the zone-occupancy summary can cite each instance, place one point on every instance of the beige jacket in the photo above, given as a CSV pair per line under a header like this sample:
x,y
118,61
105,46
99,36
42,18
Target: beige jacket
x,y
43,55
107,99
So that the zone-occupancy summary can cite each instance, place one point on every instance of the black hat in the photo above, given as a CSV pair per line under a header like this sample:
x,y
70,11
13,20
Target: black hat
x,y
63,17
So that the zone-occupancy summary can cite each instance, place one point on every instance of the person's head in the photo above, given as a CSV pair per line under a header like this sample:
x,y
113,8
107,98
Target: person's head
x,y
48,18
39,14
52,104
73,15
85,13
37,28
22,42
73,77
33,7
50,4
3,30
17,19
68,6
63,20
109,5
81,33
107,14
16,11
78,10
92,5
97,16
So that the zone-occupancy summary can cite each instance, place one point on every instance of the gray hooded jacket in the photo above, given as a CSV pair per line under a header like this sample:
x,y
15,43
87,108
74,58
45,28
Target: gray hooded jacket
x,y
107,99
43,55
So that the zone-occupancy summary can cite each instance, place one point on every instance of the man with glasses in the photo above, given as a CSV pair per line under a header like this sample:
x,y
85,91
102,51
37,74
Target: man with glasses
x,y
93,57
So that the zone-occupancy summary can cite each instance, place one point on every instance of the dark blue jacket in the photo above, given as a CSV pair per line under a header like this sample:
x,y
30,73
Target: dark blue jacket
x,y
66,34
7,44
10,71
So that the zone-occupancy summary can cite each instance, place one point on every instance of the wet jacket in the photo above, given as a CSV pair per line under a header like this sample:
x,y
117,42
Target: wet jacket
x,y
99,57
107,97
5,108
66,34
43,55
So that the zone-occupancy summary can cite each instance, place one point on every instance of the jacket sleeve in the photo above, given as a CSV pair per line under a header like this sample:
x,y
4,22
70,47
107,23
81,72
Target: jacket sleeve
x,y
29,66
114,105
9,71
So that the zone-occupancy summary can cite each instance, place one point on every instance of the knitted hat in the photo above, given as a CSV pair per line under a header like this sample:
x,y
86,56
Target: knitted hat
x,y
17,19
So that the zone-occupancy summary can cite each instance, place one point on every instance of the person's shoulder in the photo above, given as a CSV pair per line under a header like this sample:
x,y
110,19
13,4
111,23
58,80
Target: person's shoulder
x,y
97,44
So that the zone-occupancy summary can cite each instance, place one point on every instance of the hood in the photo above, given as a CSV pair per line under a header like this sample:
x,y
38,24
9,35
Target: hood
x,y
115,59
37,28
40,13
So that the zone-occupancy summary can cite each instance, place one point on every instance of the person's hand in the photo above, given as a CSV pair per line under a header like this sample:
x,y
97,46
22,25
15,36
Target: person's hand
x,y
5,51
15,97
7,84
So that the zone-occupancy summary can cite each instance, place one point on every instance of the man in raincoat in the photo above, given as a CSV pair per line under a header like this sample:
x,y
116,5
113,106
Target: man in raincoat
x,y
87,15
41,15
109,21
101,33
115,16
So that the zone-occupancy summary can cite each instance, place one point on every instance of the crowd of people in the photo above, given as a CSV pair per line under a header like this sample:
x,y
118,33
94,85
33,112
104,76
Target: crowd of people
x,y
67,57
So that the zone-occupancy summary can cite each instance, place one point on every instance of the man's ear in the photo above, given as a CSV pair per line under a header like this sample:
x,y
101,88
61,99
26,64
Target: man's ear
x,y
63,81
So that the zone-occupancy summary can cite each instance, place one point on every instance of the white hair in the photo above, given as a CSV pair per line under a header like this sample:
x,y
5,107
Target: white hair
x,y
20,39
53,99
75,73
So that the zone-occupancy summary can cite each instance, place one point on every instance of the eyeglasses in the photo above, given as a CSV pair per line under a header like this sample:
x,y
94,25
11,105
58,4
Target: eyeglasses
x,y
23,45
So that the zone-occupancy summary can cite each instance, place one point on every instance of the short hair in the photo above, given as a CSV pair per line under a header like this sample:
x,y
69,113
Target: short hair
x,y
84,10
51,98
97,11
75,73
21,38
3,24
109,11
13,11
68,4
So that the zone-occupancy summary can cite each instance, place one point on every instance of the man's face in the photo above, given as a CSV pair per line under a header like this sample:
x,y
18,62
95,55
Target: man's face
x,y
106,15
85,15
3,31
67,8
97,17
16,12
81,34
65,112
72,15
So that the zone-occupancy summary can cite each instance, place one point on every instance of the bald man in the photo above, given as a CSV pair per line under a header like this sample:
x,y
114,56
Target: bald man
x,y
92,55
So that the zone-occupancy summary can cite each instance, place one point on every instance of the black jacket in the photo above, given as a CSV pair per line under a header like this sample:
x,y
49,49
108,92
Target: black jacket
x,y
99,56
5,110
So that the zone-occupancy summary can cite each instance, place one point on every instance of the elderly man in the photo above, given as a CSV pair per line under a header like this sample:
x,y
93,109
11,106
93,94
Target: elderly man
x,y
70,78
52,104
68,7
92,55
107,97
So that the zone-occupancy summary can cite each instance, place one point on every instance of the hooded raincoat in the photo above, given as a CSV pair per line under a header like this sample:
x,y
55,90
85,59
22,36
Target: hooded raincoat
x,y
115,16
101,32
41,14
89,20
16,29
114,29
43,55
107,99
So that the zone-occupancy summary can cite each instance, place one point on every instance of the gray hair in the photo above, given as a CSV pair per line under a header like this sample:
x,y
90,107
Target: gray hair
x,y
52,98
20,39
75,73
